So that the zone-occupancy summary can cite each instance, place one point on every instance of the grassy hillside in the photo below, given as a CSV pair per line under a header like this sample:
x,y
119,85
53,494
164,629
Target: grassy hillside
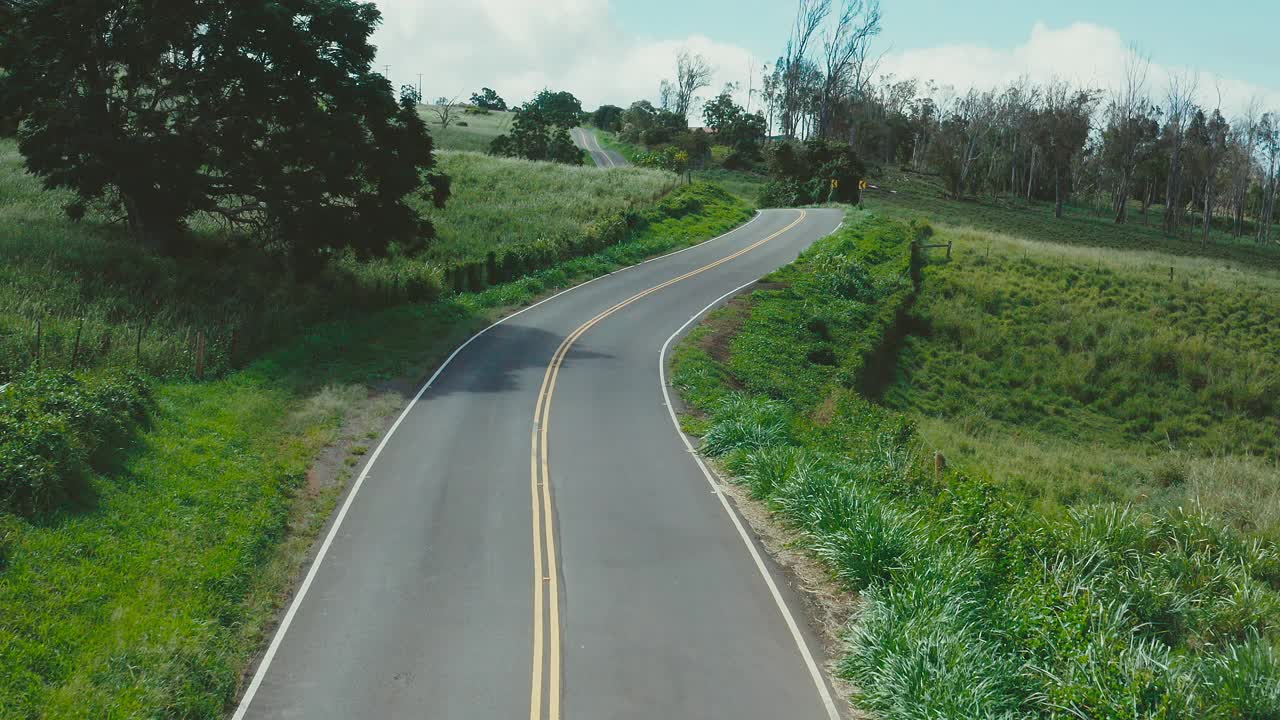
x,y
1084,375
148,595
909,194
65,279
475,135
500,201
973,604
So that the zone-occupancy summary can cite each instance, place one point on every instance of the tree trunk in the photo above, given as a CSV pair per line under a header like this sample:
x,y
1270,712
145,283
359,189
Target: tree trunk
x,y
146,226
1031,176
1122,198
1208,216
1057,193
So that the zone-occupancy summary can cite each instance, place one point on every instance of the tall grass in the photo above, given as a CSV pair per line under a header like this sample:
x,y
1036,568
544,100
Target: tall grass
x,y
975,604
62,281
1079,375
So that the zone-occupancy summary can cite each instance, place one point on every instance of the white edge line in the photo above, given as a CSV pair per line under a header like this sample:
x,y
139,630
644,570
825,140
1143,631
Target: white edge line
x,y
814,672
278,638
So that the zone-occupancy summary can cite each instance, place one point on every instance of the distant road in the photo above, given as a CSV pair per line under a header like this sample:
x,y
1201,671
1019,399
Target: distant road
x,y
534,536
587,140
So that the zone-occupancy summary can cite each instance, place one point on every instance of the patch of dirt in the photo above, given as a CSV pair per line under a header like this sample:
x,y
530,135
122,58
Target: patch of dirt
x,y
722,326
826,412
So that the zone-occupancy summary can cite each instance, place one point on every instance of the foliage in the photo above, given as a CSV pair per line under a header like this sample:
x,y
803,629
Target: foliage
x,y
560,109
52,426
670,158
972,605
607,118
538,134
811,172
736,128
133,309
488,99
159,115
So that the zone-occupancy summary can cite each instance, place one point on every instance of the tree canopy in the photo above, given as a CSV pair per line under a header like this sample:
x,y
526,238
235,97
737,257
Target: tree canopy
x,y
264,114
488,99
560,109
534,136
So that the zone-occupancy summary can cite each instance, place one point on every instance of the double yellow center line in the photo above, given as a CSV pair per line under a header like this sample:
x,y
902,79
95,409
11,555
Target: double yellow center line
x,y
546,582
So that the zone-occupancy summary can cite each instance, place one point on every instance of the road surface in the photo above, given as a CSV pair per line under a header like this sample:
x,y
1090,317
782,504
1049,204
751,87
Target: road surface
x,y
534,536
603,157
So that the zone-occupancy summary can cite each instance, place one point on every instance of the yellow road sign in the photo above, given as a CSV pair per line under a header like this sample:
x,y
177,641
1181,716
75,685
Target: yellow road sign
x,y
862,184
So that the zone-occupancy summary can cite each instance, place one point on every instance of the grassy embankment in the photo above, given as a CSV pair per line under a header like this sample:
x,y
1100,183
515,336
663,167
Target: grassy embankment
x,y
975,603
143,590
745,184
921,195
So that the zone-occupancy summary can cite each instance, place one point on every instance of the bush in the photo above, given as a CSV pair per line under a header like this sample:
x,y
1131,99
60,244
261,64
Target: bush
x,y
53,429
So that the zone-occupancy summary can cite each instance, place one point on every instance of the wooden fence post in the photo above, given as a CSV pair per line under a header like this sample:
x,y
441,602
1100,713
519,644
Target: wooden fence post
x,y
39,338
75,352
949,249
939,465
200,355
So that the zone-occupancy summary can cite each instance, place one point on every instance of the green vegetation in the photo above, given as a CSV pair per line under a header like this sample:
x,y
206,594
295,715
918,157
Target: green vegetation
x,y
1079,375
157,118
88,280
498,202
475,136
906,195
149,600
973,604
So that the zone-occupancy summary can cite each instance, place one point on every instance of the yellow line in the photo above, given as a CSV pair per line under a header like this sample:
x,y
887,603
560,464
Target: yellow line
x,y
544,532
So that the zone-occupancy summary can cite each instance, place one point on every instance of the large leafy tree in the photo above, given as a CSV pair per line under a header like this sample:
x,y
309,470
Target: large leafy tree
x,y
534,136
561,109
265,113
488,99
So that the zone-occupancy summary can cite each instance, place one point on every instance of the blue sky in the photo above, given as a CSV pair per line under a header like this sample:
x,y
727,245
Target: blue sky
x,y
1232,38
618,51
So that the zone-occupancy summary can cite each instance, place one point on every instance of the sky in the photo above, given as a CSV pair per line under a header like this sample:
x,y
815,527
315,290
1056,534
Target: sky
x,y
618,51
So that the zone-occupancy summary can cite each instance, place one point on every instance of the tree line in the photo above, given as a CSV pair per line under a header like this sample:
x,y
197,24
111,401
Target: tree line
x,y
1134,145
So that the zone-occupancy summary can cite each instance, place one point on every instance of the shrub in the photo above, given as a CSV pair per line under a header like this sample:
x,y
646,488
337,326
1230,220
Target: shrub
x,y
53,427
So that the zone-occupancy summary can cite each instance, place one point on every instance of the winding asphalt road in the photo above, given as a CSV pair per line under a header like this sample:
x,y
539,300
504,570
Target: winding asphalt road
x,y
605,158
535,536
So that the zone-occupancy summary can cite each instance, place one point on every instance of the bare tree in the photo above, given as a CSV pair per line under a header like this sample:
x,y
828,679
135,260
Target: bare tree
x,y
692,74
446,110
1243,143
810,16
1269,154
1062,129
1127,128
845,58
1178,105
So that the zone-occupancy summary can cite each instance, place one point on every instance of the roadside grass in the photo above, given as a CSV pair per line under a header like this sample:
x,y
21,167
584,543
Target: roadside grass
x,y
919,194
1080,375
500,201
151,600
131,309
972,603
475,136
610,141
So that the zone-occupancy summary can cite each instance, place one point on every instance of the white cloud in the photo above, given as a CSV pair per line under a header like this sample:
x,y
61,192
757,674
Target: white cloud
x,y
1081,53
519,47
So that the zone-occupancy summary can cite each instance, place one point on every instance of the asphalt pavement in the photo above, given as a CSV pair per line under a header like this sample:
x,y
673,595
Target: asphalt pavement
x,y
534,536
603,157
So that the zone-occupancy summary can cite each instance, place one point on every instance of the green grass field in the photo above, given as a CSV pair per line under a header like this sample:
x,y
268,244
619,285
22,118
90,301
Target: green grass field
x,y
1080,375
148,597
974,603
475,136
499,201
909,194
88,279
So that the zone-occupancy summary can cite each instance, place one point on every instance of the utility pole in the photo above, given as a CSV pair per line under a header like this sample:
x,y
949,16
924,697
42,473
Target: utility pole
x,y
386,72
419,87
